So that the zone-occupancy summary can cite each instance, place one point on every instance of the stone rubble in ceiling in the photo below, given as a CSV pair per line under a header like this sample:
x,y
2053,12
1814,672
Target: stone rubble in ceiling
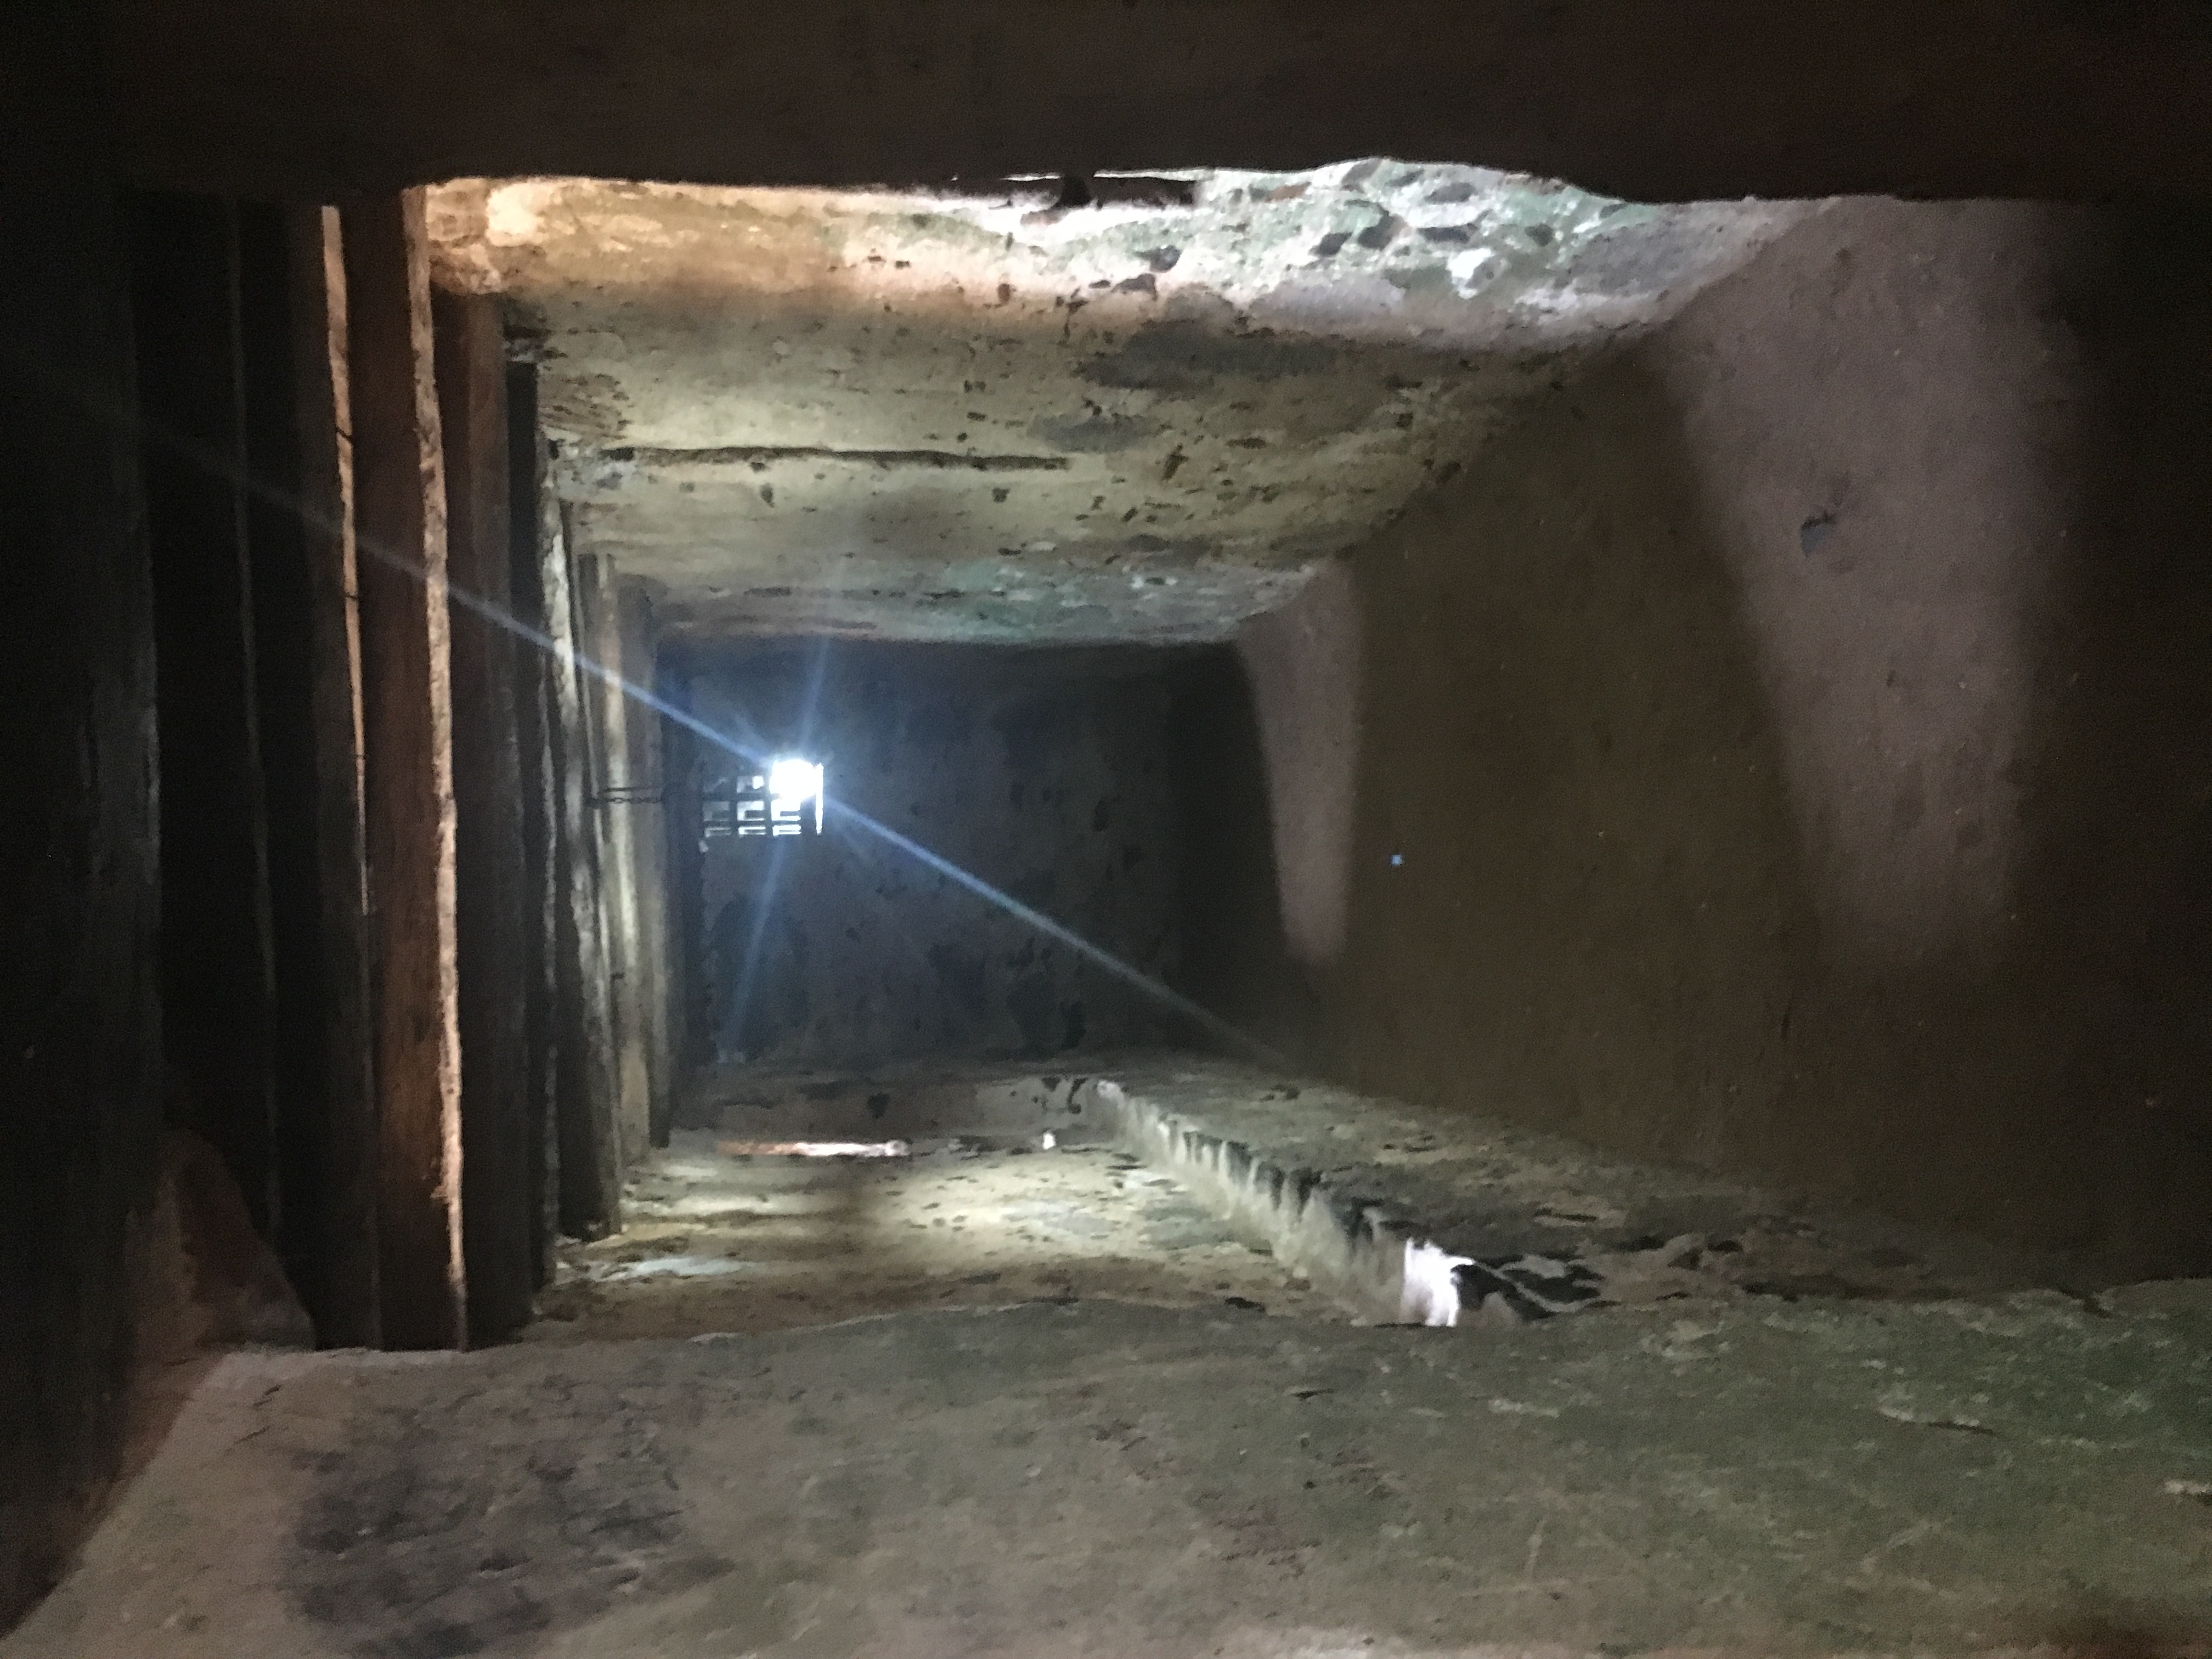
x,y
1005,412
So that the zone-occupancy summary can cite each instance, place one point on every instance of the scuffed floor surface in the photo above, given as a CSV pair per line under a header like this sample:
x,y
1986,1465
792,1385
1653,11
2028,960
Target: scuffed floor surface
x,y
1099,1478
714,1241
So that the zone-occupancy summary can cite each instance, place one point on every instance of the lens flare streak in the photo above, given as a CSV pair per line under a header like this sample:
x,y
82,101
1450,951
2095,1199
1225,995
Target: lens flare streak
x,y
500,617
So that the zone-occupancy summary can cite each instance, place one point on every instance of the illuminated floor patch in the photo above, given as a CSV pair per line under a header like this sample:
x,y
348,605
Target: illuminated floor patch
x,y
725,1235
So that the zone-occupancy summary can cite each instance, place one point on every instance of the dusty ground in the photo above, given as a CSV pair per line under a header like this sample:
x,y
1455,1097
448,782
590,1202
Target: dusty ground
x,y
722,1243
1473,1187
1107,1480
996,1399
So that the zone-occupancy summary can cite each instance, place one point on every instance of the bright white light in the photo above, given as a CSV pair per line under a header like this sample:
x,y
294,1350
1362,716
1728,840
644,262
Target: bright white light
x,y
791,782
794,779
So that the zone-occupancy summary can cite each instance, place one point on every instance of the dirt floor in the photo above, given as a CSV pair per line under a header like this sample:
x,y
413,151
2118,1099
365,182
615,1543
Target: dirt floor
x,y
723,1240
994,1398
1098,1479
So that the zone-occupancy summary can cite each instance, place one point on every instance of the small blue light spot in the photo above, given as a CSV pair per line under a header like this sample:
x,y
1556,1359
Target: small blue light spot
x,y
1397,859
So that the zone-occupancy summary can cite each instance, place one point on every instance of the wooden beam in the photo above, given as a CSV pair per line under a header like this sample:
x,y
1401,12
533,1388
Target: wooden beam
x,y
217,967
291,307
590,1154
399,515
613,797
79,846
541,811
496,1220
692,1023
351,1312
646,811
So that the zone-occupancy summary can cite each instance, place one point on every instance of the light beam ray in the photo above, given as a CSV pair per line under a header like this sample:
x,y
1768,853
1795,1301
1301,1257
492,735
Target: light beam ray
x,y
749,973
500,617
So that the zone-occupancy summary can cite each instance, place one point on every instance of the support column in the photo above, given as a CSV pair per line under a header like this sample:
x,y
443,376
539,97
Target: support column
x,y
80,894
217,968
646,811
399,507
497,1222
351,1274
590,1151
292,308
691,1026
535,668
615,799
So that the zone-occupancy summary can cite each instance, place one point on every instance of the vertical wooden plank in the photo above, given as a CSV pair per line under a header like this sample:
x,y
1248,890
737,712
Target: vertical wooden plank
x,y
400,512
691,1041
276,550
534,670
496,1220
217,969
645,808
614,792
302,591
80,896
348,1311
590,1156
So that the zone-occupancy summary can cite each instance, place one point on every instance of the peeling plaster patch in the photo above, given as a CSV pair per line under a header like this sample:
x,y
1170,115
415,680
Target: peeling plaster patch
x,y
1467,269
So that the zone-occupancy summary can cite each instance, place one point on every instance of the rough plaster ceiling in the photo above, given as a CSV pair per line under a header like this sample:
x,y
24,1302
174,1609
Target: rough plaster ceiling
x,y
984,415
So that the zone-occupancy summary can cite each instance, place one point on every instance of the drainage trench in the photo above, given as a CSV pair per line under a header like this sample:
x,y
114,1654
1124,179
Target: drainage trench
x,y
1378,1264
790,1200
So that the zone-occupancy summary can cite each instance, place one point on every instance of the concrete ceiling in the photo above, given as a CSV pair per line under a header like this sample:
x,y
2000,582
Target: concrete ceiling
x,y
1010,413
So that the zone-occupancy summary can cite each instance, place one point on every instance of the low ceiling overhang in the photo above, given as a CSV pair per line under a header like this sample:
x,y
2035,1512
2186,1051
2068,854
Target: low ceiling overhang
x,y
1044,410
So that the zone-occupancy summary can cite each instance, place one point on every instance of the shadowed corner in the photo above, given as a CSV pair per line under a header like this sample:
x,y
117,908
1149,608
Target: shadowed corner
x,y
1304,664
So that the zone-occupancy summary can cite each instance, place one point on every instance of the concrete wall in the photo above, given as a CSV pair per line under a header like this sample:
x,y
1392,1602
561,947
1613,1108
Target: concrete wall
x,y
1042,772
80,1018
1788,747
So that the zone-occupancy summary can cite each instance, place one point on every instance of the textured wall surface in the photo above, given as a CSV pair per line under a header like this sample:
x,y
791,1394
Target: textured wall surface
x,y
80,1019
1790,747
1043,774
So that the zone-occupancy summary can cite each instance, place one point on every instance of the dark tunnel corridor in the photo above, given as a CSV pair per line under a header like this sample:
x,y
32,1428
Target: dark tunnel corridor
x,y
1128,829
